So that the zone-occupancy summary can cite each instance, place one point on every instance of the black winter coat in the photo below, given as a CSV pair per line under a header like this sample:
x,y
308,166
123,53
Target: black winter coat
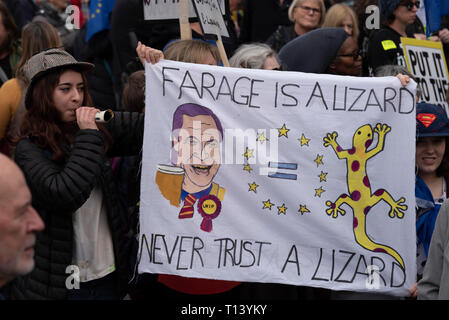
x,y
282,36
59,189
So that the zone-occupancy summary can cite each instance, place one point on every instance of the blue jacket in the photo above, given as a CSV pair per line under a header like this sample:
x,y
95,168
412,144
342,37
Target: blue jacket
x,y
426,213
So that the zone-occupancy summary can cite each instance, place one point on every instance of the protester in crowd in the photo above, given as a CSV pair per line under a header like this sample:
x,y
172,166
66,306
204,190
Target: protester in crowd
x,y
325,50
341,15
255,56
432,163
9,48
53,11
36,36
193,51
262,18
63,153
19,223
385,44
434,284
306,16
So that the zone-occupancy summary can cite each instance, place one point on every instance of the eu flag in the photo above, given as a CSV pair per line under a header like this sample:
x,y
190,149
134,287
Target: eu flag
x,y
435,9
99,16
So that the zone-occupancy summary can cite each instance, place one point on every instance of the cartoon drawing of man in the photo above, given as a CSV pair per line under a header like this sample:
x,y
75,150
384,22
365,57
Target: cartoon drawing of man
x,y
196,137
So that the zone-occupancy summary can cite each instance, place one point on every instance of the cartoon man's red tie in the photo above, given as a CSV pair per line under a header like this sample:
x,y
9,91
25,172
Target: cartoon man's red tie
x,y
187,209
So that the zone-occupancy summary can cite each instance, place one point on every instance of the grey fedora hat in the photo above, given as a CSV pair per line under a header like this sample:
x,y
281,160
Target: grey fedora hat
x,y
45,62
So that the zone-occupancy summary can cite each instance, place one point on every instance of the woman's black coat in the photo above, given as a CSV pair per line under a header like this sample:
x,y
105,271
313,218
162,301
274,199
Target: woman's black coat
x,y
59,189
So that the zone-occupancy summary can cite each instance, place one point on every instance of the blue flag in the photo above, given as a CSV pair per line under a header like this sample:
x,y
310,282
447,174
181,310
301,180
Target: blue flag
x,y
435,9
99,13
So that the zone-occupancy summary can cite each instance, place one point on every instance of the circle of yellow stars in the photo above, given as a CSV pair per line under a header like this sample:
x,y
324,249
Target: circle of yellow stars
x,y
304,141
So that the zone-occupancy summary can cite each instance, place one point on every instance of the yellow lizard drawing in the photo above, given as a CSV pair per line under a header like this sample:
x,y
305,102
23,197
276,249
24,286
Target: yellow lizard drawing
x,y
360,198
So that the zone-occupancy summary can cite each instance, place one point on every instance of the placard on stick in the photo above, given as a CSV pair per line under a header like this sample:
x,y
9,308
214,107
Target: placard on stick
x,y
426,61
155,10
212,23
184,25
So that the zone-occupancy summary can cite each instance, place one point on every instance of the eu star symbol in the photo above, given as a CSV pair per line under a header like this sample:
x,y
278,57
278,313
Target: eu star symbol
x,y
247,167
322,176
319,191
248,153
304,141
303,209
282,209
261,138
267,204
253,187
319,160
283,131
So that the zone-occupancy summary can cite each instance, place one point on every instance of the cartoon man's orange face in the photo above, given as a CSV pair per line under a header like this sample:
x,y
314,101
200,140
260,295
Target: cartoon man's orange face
x,y
198,148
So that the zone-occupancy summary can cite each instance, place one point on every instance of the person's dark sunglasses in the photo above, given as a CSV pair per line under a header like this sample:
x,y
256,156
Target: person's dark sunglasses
x,y
409,5
355,55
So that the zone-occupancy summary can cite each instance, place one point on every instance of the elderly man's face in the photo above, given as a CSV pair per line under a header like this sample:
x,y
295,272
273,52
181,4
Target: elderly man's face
x,y
198,147
18,224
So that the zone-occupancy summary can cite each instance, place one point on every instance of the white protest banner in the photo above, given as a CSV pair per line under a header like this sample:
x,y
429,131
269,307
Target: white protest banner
x,y
282,177
426,61
210,17
169,9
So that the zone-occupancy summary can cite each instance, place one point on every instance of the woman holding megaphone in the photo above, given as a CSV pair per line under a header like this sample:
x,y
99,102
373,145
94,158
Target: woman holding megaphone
x,y
83,253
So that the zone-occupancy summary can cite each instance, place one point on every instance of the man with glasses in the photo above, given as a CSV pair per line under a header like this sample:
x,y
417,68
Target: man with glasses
x,y
385,45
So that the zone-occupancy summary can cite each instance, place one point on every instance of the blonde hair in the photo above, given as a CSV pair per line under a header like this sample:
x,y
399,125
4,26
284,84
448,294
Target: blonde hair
x,y
335,16
193,51
297,3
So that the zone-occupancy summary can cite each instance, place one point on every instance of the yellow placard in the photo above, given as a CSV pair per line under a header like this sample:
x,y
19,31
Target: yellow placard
x,y
421,43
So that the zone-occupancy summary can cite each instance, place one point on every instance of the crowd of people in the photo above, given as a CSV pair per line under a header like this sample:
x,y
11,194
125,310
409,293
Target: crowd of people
x,y
70,186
